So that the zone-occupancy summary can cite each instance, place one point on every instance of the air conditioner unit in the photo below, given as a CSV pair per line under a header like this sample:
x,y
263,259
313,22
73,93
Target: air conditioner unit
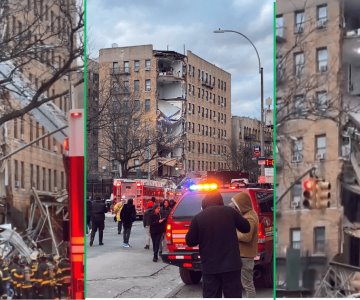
x,y
189,112
22,137
323,69
17,183
295,203
147,68
297,158
320,156
55,189
321,23
55,149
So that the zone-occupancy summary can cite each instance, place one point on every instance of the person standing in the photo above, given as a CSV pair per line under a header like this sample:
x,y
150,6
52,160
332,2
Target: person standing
x,y
98,220
146,223
214,230
247,242
117,210
88,214
128,216
157,228
164,212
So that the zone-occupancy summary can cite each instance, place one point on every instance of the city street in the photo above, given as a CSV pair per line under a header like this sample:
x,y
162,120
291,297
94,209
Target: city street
x,y
116,272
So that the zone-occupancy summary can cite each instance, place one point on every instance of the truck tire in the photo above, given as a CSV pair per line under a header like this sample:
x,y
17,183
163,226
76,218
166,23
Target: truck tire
x,y
189,276
267,277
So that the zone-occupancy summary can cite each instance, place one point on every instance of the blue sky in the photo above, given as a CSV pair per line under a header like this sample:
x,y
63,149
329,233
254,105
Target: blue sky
x,y
172,24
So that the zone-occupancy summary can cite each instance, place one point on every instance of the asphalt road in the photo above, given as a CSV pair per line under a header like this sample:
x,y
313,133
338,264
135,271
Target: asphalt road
x,y
116,272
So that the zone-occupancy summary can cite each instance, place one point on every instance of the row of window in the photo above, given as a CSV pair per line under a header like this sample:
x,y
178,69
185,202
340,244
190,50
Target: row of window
x,y
205,165
319,239
206,78
206,130
40,177
206,148
126,66
299,62
300,105
35,132
203,94
299,19
298,148
206,113
126,86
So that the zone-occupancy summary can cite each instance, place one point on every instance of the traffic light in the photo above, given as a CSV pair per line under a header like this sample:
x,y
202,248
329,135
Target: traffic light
x,y
309,186
323,194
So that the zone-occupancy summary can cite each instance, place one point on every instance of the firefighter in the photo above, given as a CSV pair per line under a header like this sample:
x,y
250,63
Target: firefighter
x,y
16,276
44,279
25,283
2,286
34,264
7,278
64,275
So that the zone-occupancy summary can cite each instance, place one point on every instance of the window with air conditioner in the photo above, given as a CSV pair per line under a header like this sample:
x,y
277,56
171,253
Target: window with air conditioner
x,y
321,101
322,59
320,147
321,16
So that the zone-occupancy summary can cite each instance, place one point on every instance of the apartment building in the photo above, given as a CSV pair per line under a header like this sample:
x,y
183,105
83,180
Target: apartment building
x,y
45,25
184,96
92,111
316,67
245,138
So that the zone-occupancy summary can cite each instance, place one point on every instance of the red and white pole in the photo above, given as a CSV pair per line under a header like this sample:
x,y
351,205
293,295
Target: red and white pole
x,y
76,201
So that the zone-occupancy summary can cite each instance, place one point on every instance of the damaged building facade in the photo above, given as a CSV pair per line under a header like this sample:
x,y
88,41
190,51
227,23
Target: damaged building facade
x,y
318,56
184,97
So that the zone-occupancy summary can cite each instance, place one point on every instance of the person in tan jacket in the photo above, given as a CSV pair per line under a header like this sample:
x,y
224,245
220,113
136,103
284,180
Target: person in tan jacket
x,y
247,242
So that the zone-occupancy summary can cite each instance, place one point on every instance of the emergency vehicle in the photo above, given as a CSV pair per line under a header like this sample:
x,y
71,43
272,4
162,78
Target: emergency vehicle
x,y
188,258
140,190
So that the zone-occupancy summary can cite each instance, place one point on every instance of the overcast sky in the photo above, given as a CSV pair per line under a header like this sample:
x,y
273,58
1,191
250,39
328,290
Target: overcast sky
x,y
172,24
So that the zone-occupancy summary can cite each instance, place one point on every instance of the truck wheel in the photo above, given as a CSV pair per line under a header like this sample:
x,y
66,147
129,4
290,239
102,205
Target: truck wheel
x,y
189,276
267,276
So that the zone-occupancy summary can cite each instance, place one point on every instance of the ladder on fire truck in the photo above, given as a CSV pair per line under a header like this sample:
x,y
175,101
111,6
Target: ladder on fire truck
x,y
340,281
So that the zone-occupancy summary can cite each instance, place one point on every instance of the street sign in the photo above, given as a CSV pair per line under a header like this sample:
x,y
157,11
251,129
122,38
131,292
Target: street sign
x,y
269,172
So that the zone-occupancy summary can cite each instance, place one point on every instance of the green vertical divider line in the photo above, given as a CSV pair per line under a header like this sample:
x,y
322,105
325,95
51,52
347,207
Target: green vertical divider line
x,y
85,117
274,150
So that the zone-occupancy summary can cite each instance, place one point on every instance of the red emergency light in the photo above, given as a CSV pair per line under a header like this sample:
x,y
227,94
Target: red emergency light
x,y
66,144
75,114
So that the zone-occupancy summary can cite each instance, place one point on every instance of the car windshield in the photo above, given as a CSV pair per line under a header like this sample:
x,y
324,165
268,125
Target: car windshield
x,y
190,205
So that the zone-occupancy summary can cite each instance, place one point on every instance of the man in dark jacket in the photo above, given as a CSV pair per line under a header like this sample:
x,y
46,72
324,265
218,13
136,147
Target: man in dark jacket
x,y
157,228
98,211
214,230
88,214
128,216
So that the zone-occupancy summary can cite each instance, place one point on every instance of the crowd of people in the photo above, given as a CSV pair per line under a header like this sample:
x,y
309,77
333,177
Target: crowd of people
x,y
40,277
227,247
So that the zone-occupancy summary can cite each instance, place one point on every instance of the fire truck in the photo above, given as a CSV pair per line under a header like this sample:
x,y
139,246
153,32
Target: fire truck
x,y
140,190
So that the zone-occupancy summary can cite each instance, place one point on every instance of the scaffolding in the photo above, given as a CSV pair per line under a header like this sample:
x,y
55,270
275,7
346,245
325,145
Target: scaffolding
x,y
340,281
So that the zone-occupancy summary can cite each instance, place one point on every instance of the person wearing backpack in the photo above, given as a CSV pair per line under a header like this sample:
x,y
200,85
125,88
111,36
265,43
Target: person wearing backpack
x,y
128,216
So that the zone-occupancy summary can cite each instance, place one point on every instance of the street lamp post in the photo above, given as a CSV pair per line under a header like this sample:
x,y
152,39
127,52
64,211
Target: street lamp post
x,y
262,93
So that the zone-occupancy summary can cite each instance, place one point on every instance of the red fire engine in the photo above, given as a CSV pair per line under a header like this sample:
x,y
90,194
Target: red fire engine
x,y
140,190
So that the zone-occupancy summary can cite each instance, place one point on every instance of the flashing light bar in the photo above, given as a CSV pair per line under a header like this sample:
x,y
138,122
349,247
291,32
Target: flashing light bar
x,y
203,187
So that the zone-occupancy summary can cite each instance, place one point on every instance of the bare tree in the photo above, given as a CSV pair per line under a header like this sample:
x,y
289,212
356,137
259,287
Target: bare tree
x,y
39,35
127,136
